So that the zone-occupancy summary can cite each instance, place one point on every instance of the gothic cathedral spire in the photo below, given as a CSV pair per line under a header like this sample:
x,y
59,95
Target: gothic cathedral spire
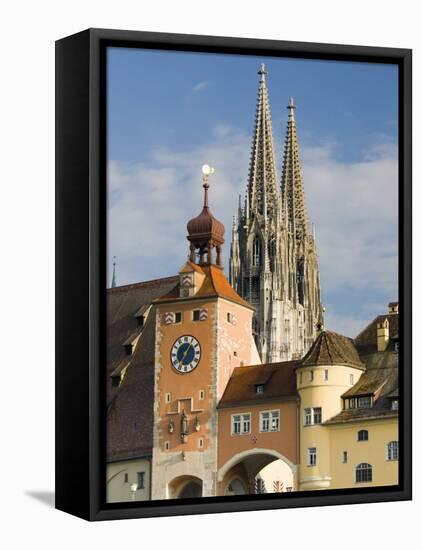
x,y
273,259
263,194
292,180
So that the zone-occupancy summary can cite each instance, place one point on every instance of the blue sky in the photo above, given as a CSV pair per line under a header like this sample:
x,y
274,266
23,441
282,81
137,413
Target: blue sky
x,y
171,112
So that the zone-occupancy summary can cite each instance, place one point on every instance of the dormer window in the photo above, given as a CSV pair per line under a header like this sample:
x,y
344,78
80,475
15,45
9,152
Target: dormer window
x,y
141,320
259,388
142,314
365,402
128,349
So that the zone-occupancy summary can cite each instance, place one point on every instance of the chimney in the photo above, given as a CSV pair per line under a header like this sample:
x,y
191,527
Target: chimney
x,y
383,334
393,308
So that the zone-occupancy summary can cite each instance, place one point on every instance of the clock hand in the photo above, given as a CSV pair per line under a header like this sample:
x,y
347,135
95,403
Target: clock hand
x,y
184,355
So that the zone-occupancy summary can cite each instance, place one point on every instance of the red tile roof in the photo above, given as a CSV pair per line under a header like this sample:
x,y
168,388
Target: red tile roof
x,y
215,284
279,382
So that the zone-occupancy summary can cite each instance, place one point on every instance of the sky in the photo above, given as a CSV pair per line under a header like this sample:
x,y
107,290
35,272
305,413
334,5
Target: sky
x,y
168,113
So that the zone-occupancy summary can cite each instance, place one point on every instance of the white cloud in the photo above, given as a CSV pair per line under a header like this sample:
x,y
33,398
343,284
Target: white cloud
x,y
355,210
200,86
353,205
151,202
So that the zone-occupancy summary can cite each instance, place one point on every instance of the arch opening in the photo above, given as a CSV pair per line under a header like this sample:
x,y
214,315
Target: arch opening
x,y
185,487
257,472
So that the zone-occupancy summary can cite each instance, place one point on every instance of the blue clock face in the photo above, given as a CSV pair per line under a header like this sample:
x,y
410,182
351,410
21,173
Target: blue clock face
x,y
185,354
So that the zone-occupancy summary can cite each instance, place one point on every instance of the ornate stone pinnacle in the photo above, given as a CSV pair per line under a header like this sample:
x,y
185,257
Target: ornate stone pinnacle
x,y
262,72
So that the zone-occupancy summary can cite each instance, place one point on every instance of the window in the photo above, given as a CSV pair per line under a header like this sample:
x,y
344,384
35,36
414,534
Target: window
x,y
256,252
126,478
393,450
351,403
141,320
364,402
259,388
178,317
201,443
229,317
307,417
312,416
363,435
270,421
128,349
326,374
300,378
395,405
311,376
344,457
195,315
168,398
312,456
275,421
246,423
265,422
363,472
115,381
351,379
235,353
317,415
201,395
141,480
167,445
241,424
396,346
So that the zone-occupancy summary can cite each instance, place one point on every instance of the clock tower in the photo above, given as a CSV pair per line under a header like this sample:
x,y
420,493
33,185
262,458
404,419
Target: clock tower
x,y
203,331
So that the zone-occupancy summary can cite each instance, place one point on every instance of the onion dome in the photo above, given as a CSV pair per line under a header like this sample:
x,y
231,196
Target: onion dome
x,y
205,232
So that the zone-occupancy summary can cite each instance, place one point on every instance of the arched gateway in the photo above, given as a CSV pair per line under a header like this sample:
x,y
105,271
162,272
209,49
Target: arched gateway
x,y
257,471
185,487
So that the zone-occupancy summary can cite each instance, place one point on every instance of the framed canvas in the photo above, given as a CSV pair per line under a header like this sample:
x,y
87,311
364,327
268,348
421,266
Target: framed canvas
x,y
233,290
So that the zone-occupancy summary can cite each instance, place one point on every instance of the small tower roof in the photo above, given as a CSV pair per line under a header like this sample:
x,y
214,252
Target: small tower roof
x,y
204,231
331,348
205,226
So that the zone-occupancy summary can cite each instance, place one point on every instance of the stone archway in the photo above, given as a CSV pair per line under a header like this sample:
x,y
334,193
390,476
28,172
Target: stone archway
x,y
257,471
185,487
235,487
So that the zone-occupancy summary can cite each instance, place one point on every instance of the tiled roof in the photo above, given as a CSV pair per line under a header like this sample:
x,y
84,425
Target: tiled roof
x,y
279,382
366,341
215,284
130,412
122,305
380,379
355,415
331,348
130,406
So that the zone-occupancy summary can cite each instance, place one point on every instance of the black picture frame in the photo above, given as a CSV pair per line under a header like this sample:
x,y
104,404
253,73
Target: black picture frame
x,y
81,271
